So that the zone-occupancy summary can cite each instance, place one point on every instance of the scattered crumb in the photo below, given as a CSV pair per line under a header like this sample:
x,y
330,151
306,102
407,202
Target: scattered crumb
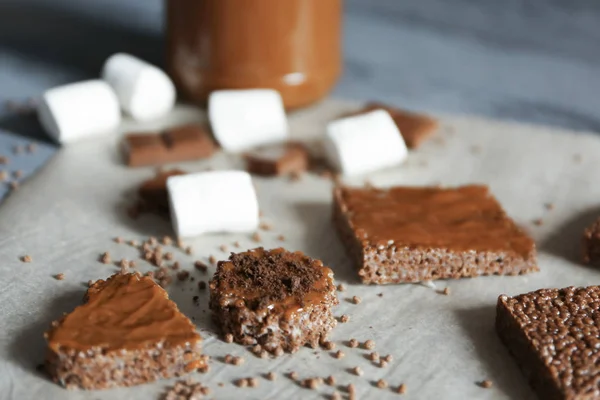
x,y
253,382
312,383
549,206
374,356
486,384
351,389
223,248
577,158
278,352
237,361
236,244
14,185
105,258
380,294
265,226
133,243
369,344
4,160
18,173
344,318
30,148
180,243
281,238
293,375
188,250
124,263
256,237
167,241
3,176
475,149
212,260
339,354
200,266
271,376
538,222
389,358
381,384
330,380
26,258
383,364
335,396
341,287
353,343
228,338
186,389
175,265
59,277
152,241
202,285
357,371
168,256
295,176
356,299
241,383
445,292
401,389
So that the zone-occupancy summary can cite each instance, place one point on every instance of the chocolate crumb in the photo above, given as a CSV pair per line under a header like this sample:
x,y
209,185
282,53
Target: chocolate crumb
x,y
200,266
236,244
486,384
223,248
344,318
202,286
295,176
357,371
256,348
381,384
281,238
124,263
538,222
351,389
271,376
30,148
353,343
446,291
380,294
180,243
168,256
328,345
4,160
18,173
253,382
14,185
183,275
59,277
549,206
311,383
278,352
339,354
152,241
383,364
118,240
228,359
133,243
167,241
237,361
263,354
228,336
212,260
188,250
335,396
330,380
26,258
256,237
175,265
374,356
341,287
401,389
293,375
356,299
389,358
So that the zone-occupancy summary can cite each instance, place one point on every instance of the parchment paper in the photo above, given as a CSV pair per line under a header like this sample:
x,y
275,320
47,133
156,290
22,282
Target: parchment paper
x,y
442,345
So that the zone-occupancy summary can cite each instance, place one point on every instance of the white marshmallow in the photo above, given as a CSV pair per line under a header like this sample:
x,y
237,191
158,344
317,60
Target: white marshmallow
x,y
242,119
79,110
145,91
216,201
364,143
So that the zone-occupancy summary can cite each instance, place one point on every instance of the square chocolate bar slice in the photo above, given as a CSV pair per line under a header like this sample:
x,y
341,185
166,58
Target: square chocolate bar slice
x,y
554,334
412,234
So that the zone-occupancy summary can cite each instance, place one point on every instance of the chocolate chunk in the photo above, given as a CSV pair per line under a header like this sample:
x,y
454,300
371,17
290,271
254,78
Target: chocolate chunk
x,y
415,128
291,290
409,234
554,335
183,143
126,333
280,159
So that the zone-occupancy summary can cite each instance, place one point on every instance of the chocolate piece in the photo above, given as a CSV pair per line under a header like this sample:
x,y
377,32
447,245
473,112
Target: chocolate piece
x,y
591,243
154,191
278,299
414,127
406,234
126,333
281,159
554,335
189,142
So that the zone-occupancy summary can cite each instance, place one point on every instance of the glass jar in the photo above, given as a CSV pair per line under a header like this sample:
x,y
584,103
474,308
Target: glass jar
x,y
292,46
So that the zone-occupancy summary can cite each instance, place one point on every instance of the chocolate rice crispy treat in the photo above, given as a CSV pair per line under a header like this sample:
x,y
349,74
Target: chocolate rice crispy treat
x,y
411,234
278,299
591,243
126,333
554,335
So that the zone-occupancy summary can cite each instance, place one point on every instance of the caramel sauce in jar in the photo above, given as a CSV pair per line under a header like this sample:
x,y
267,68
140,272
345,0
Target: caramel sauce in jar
x,y
292,46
